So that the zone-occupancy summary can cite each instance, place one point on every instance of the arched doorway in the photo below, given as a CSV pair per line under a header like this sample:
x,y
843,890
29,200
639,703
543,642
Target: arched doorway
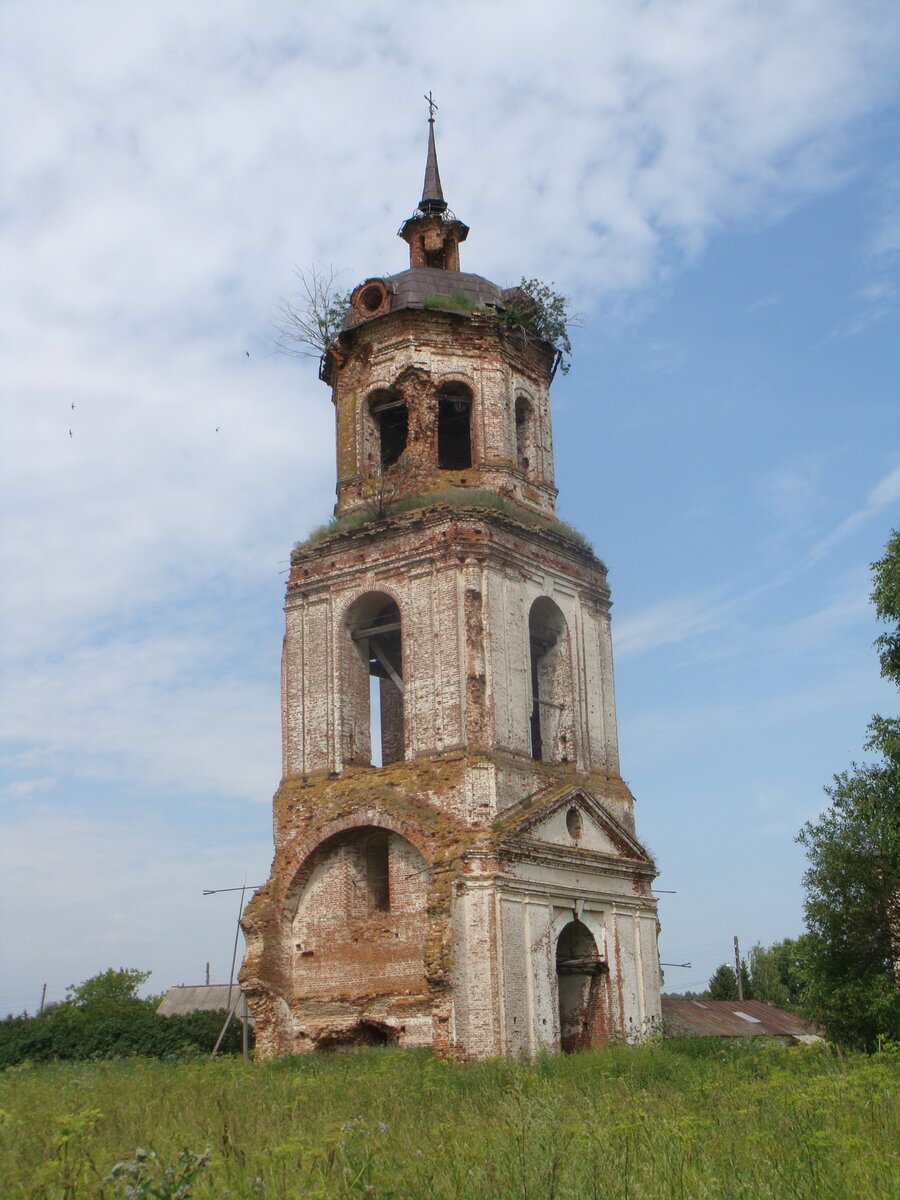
x,y
580,975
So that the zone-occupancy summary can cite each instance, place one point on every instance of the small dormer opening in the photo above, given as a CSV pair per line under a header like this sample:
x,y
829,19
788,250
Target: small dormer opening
x,y
454,427
372,298
391,422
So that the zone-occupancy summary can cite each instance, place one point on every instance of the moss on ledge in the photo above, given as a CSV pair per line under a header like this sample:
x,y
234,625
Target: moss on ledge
x,y
457,498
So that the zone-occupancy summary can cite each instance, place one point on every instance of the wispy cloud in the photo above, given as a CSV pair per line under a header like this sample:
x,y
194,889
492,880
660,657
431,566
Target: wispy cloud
x,y
883,495
669,622
818,629
792,494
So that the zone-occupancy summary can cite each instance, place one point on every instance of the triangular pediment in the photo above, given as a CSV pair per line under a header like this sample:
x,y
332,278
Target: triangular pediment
x,y
577,820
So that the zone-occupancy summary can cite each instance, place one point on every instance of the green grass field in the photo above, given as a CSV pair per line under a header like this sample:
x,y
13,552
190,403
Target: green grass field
x,y
688,1119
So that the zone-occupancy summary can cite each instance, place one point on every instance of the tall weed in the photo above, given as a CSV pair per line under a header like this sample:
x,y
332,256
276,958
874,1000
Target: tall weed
x,y
723,1121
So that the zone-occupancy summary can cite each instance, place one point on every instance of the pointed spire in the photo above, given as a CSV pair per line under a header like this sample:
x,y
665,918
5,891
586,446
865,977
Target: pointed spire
x,y
432,202
433,233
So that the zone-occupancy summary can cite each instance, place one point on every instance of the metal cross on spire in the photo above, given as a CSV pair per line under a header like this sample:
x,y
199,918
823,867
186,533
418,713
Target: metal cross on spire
x,y
432,107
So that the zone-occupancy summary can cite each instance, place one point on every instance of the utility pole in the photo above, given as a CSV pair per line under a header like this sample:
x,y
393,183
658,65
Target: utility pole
x,y
241,997
737,968
43,998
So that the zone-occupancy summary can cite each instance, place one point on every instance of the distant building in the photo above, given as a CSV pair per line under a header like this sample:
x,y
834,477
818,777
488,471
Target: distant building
x,y
481,890
734,1018
210,997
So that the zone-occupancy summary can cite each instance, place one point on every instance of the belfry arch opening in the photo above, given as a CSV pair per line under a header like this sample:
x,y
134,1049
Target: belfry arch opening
x,y
391,424
550,726
579,977
454,427
374,708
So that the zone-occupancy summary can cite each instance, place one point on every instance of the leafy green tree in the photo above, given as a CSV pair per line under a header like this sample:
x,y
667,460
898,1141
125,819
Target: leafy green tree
x,y
111,987
853,899
886,598
853,881
778,973
723,983
105,1018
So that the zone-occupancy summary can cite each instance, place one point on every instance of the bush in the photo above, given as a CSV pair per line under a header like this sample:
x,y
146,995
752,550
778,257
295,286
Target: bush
x,y
112,1030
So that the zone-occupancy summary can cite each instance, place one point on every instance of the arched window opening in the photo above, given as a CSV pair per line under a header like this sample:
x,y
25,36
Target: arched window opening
x,y
391,422
454,427
374,627
378,876
435,257
525,448
579,971
551,700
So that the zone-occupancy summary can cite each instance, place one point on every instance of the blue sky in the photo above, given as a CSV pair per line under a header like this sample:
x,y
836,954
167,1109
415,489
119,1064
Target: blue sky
x,y
716,186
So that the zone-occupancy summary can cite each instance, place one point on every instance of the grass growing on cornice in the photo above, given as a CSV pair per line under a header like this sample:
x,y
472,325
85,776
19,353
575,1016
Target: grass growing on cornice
x,y
456,303
458,499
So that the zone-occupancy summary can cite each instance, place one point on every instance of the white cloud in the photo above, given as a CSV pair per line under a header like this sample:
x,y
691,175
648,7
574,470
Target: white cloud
x,y
169,709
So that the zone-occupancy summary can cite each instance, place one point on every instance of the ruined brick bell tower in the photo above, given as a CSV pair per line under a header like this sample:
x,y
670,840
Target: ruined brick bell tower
x,y
475,886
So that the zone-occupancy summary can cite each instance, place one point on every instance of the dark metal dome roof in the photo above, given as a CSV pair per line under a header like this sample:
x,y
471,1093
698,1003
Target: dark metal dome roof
x,y
413,287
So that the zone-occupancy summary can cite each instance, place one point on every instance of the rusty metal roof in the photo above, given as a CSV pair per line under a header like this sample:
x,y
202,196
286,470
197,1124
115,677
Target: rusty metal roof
x,y
201,998
733,1018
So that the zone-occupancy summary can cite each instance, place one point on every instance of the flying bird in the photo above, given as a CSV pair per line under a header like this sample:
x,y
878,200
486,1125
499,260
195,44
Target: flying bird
x,y
71,434
73,406
247,352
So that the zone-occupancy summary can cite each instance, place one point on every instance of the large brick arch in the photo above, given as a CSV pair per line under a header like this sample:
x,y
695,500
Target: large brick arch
x,y
298,857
